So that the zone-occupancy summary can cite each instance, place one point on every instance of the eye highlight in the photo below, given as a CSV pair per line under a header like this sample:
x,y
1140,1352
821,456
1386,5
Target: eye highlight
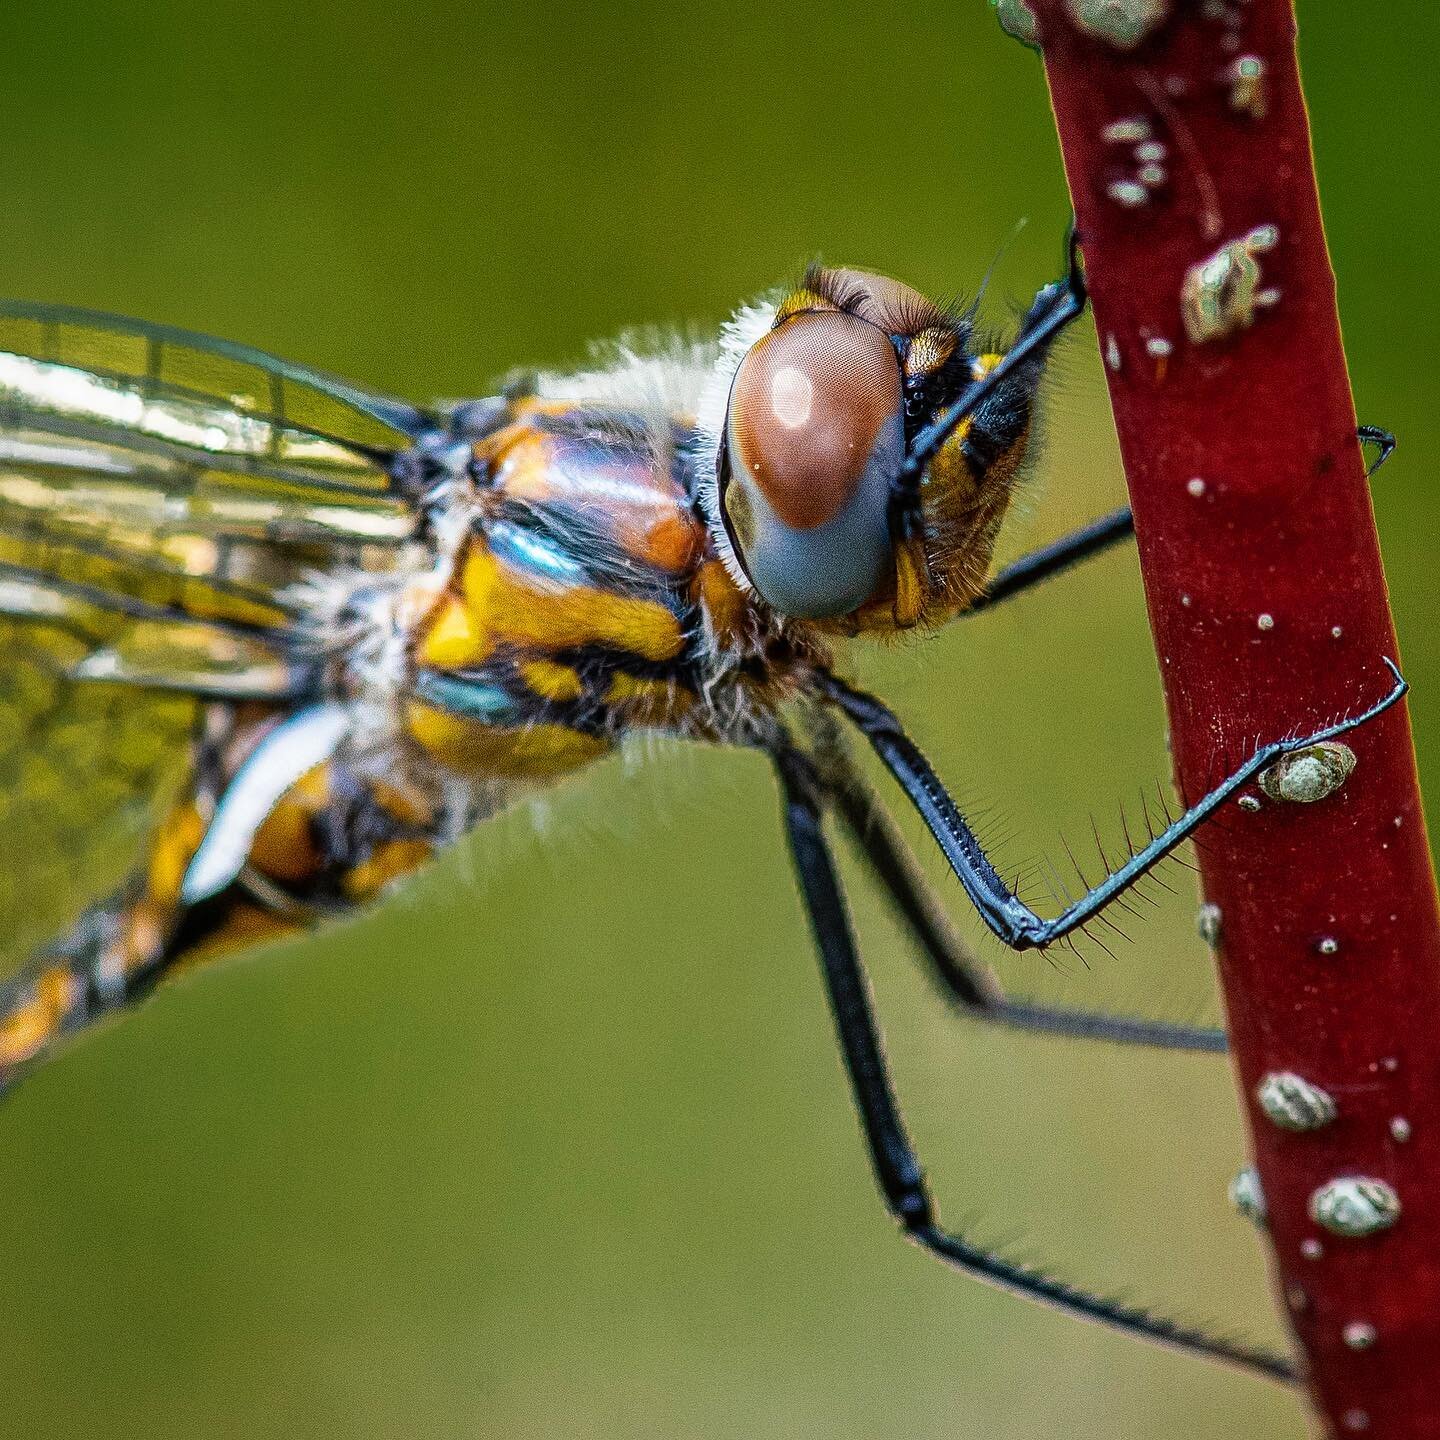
x,y
813,438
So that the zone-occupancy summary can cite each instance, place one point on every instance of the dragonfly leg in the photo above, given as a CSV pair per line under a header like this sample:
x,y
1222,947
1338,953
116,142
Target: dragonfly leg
x,y
897,1168
1104,534
1002,910
1054,307
963,976
1039,565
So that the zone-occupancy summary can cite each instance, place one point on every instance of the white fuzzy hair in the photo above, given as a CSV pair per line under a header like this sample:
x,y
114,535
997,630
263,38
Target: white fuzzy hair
x,y
739,333
650,371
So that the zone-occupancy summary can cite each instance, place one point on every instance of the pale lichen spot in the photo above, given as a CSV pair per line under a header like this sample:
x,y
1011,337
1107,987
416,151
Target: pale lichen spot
x,y
1309,775
1018,21
1126,131
1247,1197
1129,193
1354,1206
1359,1335
1221,293
1207,924
1248,89
1121,23
1294,1103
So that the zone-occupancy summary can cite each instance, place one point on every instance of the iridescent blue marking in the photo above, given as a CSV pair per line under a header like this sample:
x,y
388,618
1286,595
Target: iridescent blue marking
x,y
529,551
475,699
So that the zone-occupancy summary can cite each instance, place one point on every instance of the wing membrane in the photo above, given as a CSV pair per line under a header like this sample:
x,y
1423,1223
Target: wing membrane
x,y
159,493
195,475
102,416
217,395
84,771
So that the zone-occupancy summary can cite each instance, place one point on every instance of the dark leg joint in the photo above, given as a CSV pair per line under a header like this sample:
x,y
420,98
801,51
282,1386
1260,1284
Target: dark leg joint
x,y
913,1209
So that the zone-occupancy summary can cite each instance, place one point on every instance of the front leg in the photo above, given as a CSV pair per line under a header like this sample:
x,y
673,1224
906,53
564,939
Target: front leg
x,y
963,977
1004,912
1052,310
1103,535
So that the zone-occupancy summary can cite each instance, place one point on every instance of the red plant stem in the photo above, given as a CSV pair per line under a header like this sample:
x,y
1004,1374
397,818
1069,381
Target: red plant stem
x,y
1268,604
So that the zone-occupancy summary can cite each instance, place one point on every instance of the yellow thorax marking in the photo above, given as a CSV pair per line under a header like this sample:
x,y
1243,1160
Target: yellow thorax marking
x,y
551,681
530,752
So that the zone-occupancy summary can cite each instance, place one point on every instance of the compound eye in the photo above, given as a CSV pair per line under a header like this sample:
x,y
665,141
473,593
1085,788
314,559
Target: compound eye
x,y
897,308
814,437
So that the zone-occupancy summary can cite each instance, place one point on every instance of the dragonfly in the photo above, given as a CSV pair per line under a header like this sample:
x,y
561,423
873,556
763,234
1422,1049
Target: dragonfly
x,y
273,641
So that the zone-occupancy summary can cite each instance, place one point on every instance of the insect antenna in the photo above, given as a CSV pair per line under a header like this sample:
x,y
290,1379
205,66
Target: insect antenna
x,y
973,308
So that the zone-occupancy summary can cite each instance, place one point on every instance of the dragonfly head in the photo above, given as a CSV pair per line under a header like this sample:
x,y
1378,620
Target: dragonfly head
x,y
823,394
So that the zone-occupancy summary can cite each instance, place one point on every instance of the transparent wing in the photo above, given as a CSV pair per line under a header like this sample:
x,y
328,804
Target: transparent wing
x,y
177,432
159,491
145,466
84,772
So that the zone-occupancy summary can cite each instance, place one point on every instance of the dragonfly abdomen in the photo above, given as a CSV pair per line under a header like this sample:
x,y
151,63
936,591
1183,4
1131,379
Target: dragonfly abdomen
x,y
336,837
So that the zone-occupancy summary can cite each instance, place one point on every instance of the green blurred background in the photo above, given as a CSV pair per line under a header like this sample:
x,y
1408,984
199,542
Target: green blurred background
x,y
557,1143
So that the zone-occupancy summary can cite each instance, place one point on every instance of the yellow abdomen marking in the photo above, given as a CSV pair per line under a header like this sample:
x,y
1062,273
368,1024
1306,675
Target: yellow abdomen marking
x,y
457,637
26,1030
386,864
648,702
